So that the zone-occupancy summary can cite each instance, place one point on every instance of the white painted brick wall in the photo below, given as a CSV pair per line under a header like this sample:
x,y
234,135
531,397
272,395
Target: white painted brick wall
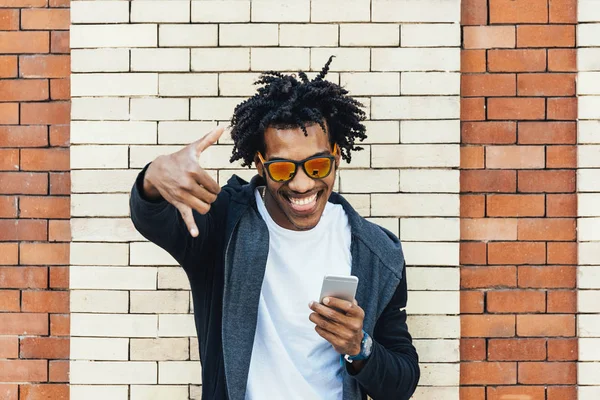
x,y
150,76
588,188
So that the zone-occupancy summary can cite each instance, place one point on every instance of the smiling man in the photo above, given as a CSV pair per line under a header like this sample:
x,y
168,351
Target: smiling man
x,y
256,254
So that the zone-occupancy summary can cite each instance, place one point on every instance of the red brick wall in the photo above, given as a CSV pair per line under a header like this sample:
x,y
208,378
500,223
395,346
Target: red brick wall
x,y
34,199
518,201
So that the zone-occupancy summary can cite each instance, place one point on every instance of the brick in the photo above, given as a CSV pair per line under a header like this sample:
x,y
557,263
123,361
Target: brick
x,y
45,391
58,371
561,157
527,60
60,42
229,59
472,349
60,89
516,108
9,113
487,325
21,230
304,35
45,160
516,349
151,60
414,107
472,157
550,277
547,373
488,85
340,11
59,276
9,254
471,302
60,183
474,12
488,132
545,325
44,66
19,90
488,37
562,108
24,3
486,229
359,59
58,3
249,35
514,157
473,253
561,205
473,373
516,253
547,229
44,18
60,324
562,301
9,348
9,159
546,36
488,277
60,135
99,12
24,42
546,181
282,11
23,324
129,84
472,109
547,132
9,391
8,66
44,253
430,35
472,393
100,60
407,11
546,84
23,277
160,109
160,11
562,60
45,113
23,136
472,206
8,206
562,253
562,349
23,370
10,300
369,35
23,183
518,11
488,181
122,35
9,20
45,301
392,59
516,301
562,392
472,61
221,11
563,11
59,231
516,392
44,347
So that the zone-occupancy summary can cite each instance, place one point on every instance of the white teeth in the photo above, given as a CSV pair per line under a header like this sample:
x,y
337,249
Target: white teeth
x,y
303,201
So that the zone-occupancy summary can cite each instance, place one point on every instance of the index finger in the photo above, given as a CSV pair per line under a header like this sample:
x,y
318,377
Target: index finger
x,y
342,305
209,139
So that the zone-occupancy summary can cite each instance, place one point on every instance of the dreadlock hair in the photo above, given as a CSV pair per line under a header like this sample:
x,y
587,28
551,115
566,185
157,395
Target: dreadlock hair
x,y
284,102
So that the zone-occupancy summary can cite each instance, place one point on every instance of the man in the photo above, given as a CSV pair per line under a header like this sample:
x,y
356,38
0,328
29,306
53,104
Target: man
x,y
256,254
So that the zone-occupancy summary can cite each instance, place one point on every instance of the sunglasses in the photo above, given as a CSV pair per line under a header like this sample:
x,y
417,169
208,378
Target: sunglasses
x,y
317,167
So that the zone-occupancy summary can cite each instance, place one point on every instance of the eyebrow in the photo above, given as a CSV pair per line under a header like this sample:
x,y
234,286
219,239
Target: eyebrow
x,y
321,153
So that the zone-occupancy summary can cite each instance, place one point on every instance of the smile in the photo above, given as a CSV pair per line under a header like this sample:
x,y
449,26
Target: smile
x,y
303,204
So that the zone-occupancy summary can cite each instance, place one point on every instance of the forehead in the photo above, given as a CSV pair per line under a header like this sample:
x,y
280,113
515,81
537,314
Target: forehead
x,y
291,143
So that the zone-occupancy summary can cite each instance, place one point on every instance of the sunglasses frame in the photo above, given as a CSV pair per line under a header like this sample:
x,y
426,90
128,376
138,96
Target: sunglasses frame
x,y
297,164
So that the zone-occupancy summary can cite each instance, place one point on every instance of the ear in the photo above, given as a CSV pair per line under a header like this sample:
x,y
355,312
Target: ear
x,y
338,156
259,166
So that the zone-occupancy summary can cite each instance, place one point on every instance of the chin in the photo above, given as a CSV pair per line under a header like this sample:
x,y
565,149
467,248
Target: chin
x,y
304,218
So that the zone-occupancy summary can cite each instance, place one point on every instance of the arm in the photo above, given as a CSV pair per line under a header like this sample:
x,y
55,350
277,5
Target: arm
x,y
392,371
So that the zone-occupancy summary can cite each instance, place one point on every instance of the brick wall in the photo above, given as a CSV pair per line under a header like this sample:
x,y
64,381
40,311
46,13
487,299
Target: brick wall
x,y
151,76
588,186
34,199
518,199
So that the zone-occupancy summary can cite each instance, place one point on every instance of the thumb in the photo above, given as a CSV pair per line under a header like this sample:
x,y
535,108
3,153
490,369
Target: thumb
x,y
209,139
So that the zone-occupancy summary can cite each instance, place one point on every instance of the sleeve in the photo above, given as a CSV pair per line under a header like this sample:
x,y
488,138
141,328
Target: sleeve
x,y
161,223
392,371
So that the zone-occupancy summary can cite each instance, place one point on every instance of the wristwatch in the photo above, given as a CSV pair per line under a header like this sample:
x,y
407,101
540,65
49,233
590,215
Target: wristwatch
x,y
366,346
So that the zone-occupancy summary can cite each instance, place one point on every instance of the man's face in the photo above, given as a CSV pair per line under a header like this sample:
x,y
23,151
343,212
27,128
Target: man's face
x,y
298,203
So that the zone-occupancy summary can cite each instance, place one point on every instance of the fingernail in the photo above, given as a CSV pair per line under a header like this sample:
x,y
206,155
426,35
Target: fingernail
x,y
310,304
194,232
326,300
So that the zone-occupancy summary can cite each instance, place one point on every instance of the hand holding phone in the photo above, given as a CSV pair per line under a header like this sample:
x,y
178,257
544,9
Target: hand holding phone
x,y
341,287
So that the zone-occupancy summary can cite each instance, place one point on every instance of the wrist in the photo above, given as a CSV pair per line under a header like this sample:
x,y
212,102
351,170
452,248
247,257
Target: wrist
x,y
149,190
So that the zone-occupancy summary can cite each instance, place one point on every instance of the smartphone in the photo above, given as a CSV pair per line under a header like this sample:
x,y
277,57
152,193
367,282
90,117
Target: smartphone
x,y
341,287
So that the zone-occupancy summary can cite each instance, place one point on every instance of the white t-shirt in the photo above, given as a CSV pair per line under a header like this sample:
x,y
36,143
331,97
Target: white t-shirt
x,y
289,358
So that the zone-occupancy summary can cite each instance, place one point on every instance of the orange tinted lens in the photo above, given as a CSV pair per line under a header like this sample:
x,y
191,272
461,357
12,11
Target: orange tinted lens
x,y
282,171
318,167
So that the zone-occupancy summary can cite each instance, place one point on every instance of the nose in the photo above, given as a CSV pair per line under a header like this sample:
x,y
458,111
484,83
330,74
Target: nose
x,y
301,183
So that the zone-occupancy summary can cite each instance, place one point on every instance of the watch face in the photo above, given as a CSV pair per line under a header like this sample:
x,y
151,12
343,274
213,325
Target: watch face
x,y
368,346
